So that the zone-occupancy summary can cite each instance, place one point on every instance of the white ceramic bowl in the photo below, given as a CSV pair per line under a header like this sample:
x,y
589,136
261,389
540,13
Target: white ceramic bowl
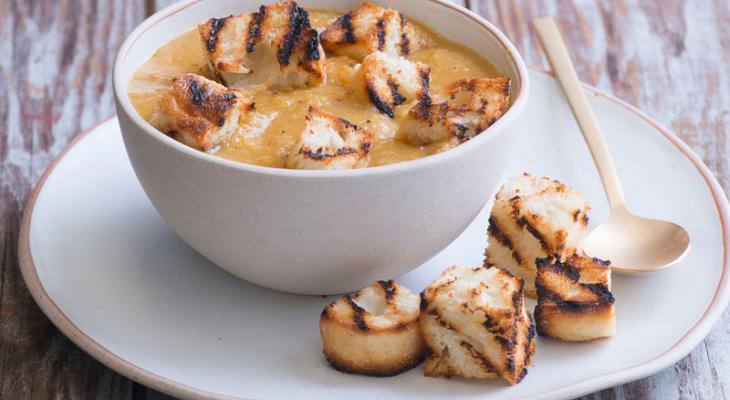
x,y
318,232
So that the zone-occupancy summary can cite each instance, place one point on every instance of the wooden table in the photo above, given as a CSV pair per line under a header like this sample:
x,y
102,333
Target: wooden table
x,y
669,58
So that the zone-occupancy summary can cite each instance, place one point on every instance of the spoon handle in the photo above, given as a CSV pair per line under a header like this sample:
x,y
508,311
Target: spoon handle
x,y
557,53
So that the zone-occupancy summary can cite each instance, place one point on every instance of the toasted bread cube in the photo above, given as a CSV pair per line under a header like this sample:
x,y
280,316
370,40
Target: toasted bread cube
x,y
329,142
389,81
203,113
374,332
574,299
275,46
534,218
475,325
370,28
225,43
472,106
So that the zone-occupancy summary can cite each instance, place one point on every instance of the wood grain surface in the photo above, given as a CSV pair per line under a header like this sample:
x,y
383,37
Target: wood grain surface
x,y
670,58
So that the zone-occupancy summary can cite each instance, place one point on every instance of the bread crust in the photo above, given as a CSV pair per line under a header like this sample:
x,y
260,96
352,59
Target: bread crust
x,y
374,332
574,299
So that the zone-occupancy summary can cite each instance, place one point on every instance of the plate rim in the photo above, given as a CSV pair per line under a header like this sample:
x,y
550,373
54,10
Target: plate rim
x,y
683,346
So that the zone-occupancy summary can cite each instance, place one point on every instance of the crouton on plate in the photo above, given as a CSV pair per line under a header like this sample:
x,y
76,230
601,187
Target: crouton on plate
x,y
534,218
202,113
330,142
373,332
475,325
472,106
275,46
574,299
370,28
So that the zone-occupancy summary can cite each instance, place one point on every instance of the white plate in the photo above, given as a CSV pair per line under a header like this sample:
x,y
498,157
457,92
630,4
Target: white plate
x,y
107,270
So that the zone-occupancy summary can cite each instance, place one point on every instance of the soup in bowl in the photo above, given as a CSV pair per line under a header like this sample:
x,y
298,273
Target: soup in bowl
x,y
327,151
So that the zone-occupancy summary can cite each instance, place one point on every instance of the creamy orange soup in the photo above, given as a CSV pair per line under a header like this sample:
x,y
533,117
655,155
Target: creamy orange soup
x,y
280,115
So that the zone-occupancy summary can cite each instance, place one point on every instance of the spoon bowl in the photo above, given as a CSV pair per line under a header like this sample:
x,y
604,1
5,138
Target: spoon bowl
x,y
637,245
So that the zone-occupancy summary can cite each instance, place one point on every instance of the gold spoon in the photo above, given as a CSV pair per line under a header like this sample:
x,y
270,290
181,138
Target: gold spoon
x,y
634,244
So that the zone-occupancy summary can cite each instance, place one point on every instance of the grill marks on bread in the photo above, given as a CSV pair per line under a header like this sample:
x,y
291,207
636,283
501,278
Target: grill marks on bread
x,y
574,299
472,106
357,314
370,28
275,45
534,218
475,326
213,28
202,113
390,288
298,24
389,81
330,142
254,29
496,232
373,332
225,43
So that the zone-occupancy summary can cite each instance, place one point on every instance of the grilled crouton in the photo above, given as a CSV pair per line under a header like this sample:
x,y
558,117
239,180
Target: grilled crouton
x,y
329,142
534,218
574,300
374,332
370,28
389,81
275,46
225,43
475,325
202,113
472,106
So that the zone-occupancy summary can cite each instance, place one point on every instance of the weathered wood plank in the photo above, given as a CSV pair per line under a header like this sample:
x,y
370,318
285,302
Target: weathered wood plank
x,y
670,59
55,81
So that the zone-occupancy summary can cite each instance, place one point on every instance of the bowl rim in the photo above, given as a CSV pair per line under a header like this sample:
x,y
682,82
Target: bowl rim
x,y
124,105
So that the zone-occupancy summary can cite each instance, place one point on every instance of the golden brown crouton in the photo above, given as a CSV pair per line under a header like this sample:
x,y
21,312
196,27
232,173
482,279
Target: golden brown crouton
x,y
472,106
534,218
373,332
370,28
275,46
203,113
574,300
329,142
475,325
225,43
389,81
